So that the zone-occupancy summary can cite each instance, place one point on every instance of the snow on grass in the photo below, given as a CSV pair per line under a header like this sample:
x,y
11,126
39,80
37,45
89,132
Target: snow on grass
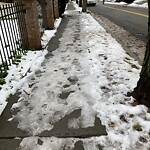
x,y
136,3
140,3
92,72
30,63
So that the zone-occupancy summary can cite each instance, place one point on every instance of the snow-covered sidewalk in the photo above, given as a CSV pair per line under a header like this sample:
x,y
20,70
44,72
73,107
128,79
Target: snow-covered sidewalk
x,y
92,72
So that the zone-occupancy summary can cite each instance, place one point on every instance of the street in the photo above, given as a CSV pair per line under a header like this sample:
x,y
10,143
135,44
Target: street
x,y
134,20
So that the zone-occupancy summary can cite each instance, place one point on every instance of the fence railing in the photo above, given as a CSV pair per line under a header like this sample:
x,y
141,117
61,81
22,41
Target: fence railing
x,y
13,35
6,1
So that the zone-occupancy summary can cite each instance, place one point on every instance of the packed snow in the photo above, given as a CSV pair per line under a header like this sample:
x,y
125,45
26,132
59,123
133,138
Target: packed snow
x,y
94,73
30,63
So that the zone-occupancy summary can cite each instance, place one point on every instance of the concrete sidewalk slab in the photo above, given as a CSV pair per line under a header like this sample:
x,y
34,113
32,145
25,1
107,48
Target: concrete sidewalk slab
x,y
61,129
8,129
9,144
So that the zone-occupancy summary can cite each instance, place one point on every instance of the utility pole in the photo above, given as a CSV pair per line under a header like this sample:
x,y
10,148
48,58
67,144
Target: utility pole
x,y
103,2
80,3
84,6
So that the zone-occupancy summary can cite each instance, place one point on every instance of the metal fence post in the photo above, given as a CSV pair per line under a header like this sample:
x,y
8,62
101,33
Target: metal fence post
x,y
13,35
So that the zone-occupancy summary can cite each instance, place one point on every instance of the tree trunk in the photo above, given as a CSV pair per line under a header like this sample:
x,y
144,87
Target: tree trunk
x,y
84,6
142,92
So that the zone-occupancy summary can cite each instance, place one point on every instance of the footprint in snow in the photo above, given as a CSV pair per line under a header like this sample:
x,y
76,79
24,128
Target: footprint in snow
x,y
73,80
65,94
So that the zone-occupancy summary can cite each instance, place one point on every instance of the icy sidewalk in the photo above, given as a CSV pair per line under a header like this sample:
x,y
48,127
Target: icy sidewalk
x,y
83,81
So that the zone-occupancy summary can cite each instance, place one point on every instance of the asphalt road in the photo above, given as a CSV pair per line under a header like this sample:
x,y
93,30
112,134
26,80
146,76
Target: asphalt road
x,y
134,20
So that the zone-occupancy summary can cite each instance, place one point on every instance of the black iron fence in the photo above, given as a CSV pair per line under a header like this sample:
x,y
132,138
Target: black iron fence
x,y
13,35
6,1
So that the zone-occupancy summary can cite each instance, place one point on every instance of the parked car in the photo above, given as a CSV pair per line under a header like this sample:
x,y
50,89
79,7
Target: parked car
x,y
91,2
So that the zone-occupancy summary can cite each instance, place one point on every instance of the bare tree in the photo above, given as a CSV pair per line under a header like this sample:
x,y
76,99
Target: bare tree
x,y
142,92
